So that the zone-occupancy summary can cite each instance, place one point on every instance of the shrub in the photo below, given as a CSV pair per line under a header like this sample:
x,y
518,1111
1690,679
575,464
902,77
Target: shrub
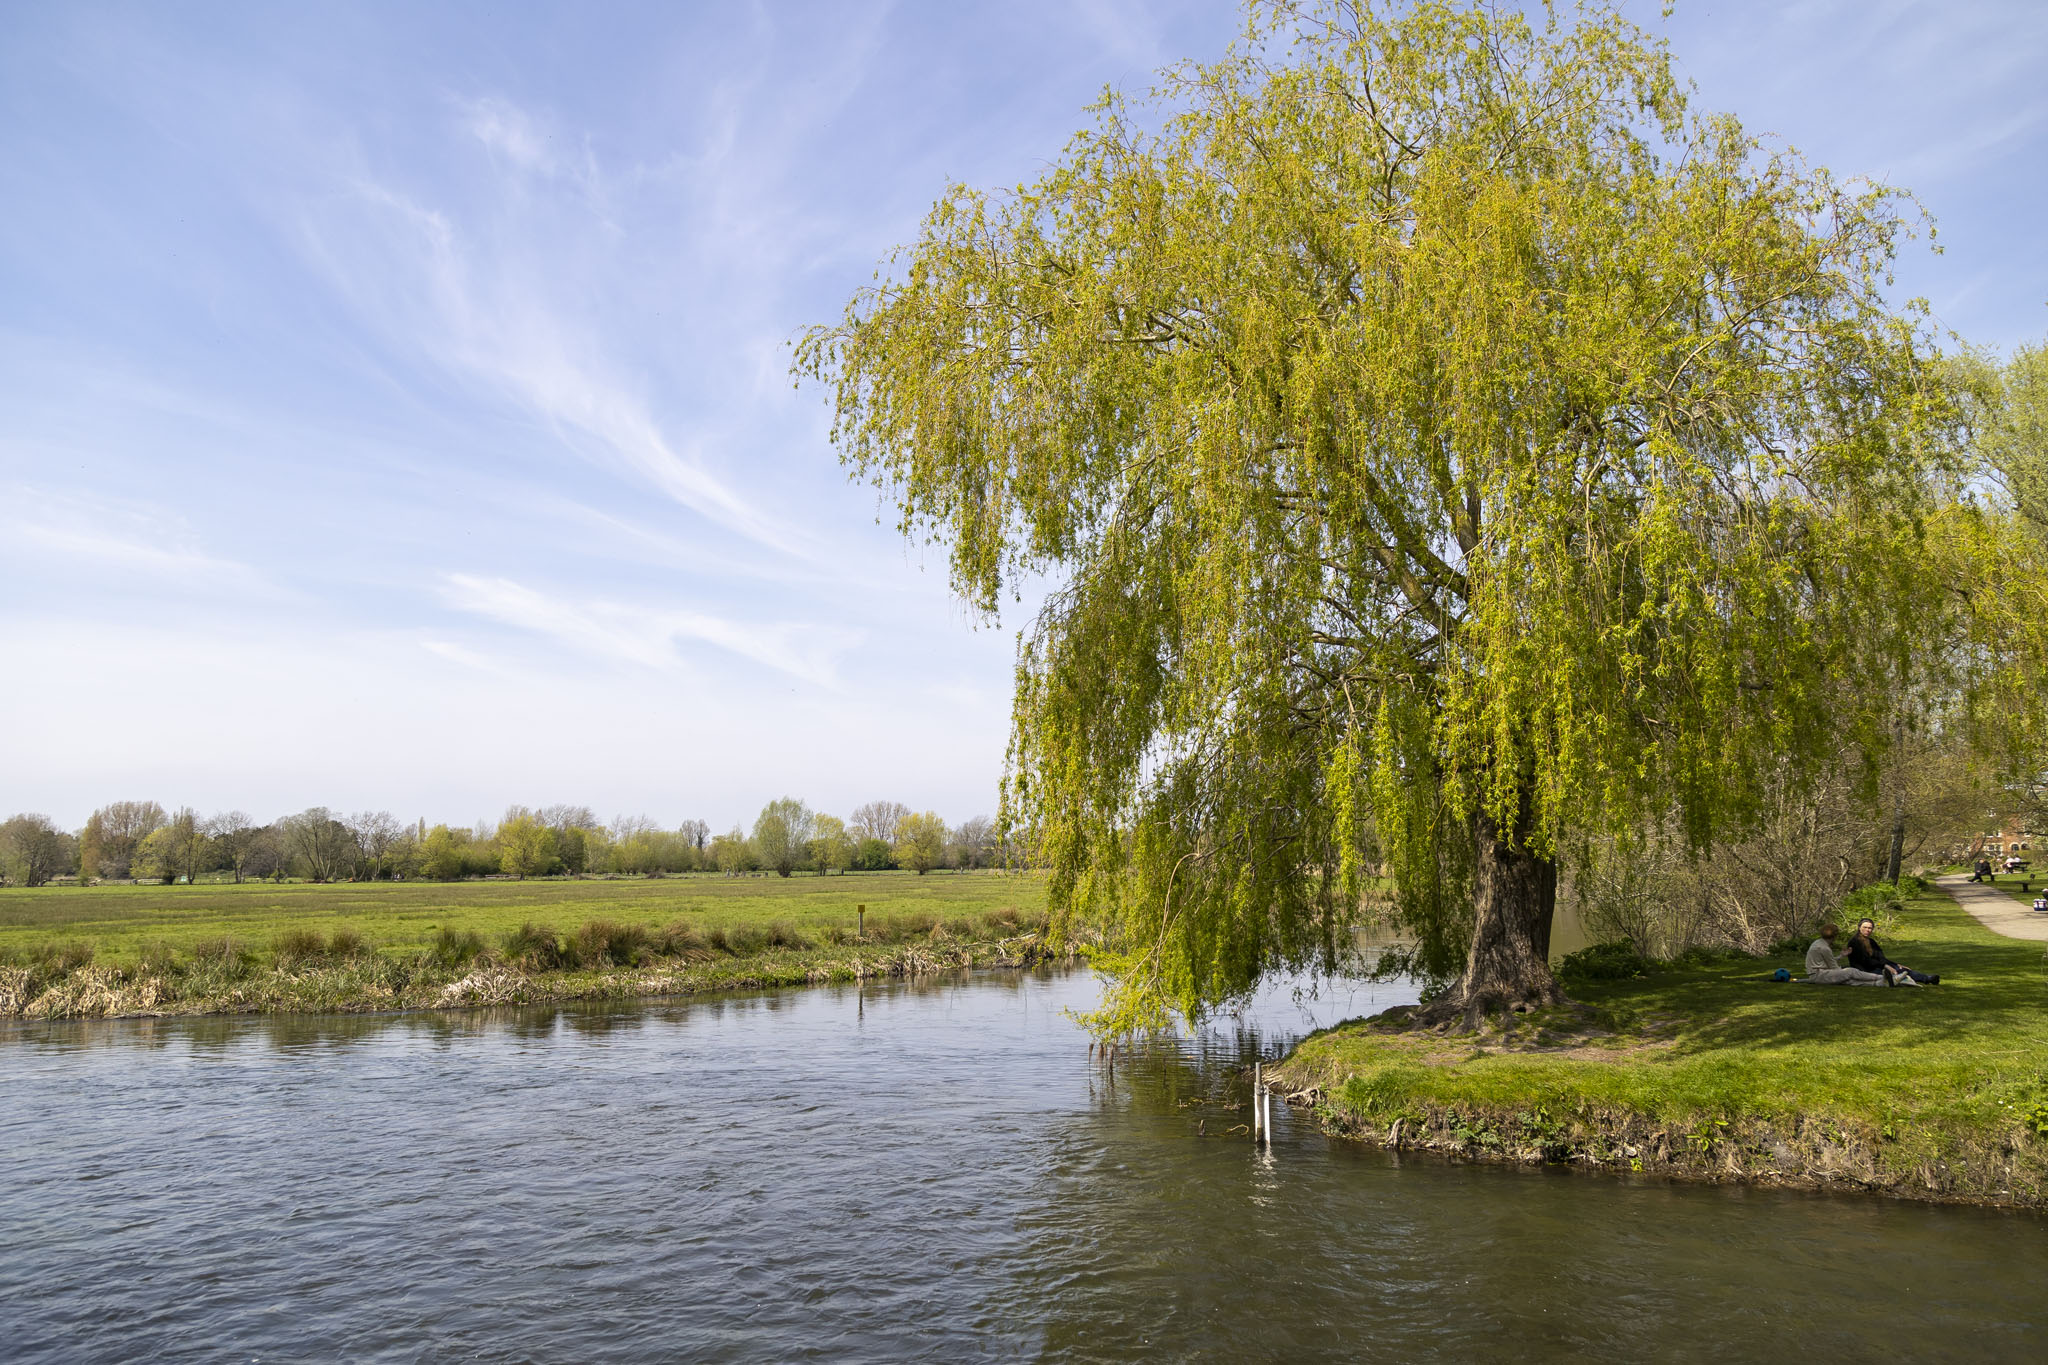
x,y
534,947
785,935
452,949
295,946
223,956
602,943
898,928
158,959
682,940
745,941
1617,960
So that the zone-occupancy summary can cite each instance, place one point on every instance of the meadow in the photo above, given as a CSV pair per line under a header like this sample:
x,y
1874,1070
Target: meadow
x,y
103,951
120,923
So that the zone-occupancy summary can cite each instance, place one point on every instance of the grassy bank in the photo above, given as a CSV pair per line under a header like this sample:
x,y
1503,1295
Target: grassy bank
x,y
72,952
1714,1072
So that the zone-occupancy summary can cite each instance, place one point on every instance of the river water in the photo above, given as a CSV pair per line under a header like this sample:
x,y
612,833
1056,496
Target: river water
x,y
933,1170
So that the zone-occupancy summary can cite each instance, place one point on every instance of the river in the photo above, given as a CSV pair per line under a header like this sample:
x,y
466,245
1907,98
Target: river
x,y
934,1170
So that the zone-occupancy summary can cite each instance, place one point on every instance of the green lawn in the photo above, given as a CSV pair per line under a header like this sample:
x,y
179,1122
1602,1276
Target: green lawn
x,y
1717,1071
2021,886
119,922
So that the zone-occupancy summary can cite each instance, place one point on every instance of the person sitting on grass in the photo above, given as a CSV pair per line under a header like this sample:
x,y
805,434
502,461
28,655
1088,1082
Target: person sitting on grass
x,y
2041,902
1865,954
1823,970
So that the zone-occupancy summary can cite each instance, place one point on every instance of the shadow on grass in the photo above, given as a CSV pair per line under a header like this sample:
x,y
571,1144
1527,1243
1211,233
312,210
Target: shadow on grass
x,y
1993,989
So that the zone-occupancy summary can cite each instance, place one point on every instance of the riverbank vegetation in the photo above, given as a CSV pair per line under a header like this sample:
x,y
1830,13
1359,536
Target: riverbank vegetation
x,y
1707,1069
119,950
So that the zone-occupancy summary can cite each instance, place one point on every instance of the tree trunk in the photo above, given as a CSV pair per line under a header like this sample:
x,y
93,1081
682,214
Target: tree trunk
x,y
1514,897
1891,873
1898,840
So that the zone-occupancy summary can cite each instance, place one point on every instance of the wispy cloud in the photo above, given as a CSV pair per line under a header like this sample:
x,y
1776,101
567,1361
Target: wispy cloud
x,y
123,537
481,310
510,133
650,637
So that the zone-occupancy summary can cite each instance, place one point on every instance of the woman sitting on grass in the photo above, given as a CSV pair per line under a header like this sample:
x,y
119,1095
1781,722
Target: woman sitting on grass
x,y
1823,970
1866,955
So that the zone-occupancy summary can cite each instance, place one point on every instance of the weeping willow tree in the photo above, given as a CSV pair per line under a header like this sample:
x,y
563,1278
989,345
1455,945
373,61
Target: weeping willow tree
x,y
1443,443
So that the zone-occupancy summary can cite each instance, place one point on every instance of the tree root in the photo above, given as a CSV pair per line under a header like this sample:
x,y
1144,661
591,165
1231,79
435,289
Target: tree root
x,y
1472,1009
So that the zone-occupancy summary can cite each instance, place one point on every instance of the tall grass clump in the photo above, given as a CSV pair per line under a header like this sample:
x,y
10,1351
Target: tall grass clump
x,y
534,948
346,944
682,940
296,947
60,959
603,943
783,934
451,948
223,957
900,928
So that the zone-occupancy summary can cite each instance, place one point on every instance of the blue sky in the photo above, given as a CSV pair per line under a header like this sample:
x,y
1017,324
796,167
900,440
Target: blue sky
x,y
396,409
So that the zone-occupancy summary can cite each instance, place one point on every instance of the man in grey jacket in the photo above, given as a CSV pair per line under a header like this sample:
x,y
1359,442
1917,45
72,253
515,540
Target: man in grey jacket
x,y
1823,970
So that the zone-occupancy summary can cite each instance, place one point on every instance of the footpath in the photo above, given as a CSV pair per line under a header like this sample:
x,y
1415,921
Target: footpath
x,y
1994,909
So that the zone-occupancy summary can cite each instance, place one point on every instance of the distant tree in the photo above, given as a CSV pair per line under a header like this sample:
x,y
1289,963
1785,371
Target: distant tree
x,y
782,834
374,831
526,847
174,850
33,850
878,820
114,832
402,857
873,855
572,847
831,849
920,841
732,854
974,843
441,853
560,818
234,838
267,855
318,844
696,834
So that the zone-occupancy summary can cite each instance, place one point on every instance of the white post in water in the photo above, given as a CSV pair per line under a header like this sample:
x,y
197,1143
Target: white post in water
x,y
1258,1112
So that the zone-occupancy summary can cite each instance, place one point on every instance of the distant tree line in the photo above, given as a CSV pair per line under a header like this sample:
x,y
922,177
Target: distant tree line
x,y
141,840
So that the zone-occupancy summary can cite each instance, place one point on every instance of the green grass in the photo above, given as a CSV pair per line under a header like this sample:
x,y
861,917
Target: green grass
x,y
121,923
74,952
2021,886
1715,1071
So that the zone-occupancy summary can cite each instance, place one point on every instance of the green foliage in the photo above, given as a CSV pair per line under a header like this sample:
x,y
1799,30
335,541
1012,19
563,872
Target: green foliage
x,y
605,943
782,834
441,854
526,847
920,841
1434,418
1616,961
